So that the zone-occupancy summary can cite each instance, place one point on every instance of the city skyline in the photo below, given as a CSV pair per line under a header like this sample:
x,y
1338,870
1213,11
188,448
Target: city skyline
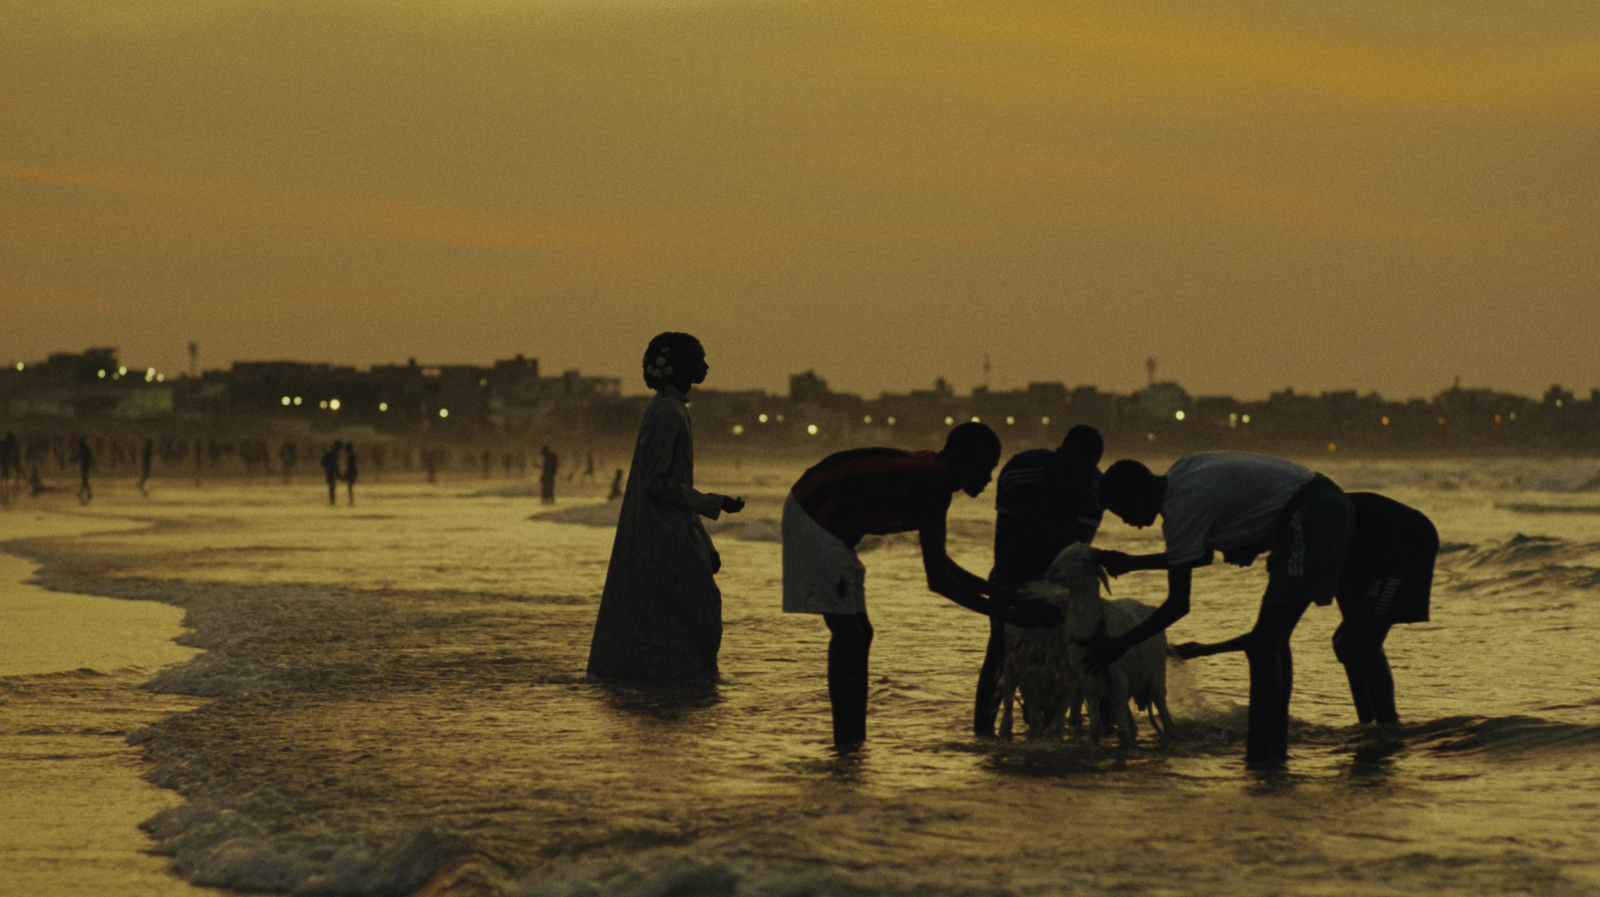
x,y
1360,195
812,377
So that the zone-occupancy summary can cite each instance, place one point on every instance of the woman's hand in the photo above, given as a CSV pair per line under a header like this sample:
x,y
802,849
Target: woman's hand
x,y
731,505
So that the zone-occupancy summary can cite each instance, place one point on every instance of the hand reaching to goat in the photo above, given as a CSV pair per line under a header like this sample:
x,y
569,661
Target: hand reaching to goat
x,y
1025,612
1115,562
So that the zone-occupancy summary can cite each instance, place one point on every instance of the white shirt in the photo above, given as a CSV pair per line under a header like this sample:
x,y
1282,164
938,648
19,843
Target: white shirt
x,y
1217,501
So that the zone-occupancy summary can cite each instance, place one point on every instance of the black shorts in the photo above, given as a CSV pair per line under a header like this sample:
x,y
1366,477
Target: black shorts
x,y
1388,574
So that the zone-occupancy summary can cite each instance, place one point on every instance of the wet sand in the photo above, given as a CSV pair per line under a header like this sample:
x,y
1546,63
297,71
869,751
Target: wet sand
x,y
71,795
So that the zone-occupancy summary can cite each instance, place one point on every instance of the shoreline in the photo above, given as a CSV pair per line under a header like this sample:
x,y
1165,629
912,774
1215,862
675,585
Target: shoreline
x,y
70,670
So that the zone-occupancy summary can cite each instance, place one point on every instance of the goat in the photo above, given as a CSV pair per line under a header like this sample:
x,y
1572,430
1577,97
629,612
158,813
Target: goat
x,y
1037,668
1139,675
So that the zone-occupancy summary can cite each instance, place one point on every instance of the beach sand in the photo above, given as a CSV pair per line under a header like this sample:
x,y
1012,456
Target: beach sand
x,y
71,796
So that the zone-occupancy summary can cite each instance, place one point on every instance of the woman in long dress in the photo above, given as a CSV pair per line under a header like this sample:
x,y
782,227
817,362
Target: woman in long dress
x,y
661,612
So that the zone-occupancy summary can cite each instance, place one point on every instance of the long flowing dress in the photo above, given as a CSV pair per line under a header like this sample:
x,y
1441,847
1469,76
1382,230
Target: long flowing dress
x,y
661,611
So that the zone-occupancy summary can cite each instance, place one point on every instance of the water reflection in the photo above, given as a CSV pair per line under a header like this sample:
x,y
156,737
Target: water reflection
x,y
671,702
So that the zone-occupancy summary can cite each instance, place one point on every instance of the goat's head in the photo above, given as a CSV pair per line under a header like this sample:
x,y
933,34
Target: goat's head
x,y
1076,569
1042,590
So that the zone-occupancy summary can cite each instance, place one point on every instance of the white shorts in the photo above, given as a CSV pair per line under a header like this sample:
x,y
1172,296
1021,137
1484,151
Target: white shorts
x,y
821,574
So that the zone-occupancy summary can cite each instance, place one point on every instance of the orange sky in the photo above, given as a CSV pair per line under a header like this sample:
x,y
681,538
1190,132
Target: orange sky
x,y
1357,197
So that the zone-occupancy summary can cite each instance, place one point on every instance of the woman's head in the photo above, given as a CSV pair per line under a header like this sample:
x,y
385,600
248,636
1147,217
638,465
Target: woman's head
x,y
674,359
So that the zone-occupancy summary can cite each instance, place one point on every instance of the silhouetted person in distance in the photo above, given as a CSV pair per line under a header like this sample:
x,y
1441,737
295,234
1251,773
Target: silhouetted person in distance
x,y
1225,501
85,464
1044,501
330,470
1387,579
287,455
146,455
660,616
588,469
350,471
10,465
616,486
547,476
877,491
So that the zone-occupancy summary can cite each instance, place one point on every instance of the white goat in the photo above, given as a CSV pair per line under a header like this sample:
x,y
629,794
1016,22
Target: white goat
x,y
1139,675
1037,668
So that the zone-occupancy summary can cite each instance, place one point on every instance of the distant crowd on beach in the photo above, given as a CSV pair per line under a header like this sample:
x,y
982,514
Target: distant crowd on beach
x,y
37,462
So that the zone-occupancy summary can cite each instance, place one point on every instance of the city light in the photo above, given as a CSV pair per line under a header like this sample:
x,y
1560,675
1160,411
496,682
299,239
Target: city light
x,y
762,418
1179,415
383,406
867,419
812,429
334,404
975,419
1010,420
949,421
891,420
20,366
444,412
287,401
323,404
1044,421
102,374
297,400
738,429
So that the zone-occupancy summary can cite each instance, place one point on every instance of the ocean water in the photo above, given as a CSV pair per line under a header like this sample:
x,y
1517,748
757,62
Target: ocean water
x,y
396,705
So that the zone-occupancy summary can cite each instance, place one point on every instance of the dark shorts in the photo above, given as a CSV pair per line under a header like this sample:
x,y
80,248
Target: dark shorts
x,y
1389,573
1309,542
1389,599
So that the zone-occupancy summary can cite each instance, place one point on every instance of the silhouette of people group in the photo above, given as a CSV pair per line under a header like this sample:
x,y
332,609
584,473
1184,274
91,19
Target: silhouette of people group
x,y
660,612
334,474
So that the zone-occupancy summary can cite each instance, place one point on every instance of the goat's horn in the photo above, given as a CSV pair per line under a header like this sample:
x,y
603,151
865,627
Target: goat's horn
x,y
1105,580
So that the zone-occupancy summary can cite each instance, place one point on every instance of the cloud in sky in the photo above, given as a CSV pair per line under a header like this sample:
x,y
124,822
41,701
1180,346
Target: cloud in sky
x,y
1353,196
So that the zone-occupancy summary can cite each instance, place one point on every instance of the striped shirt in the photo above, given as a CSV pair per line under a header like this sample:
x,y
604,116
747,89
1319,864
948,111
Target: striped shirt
x,y
875,490
1037,515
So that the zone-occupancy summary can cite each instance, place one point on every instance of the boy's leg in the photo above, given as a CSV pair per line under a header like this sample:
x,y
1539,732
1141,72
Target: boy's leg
x,y
987,703
848,649
1271,682
1358,643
